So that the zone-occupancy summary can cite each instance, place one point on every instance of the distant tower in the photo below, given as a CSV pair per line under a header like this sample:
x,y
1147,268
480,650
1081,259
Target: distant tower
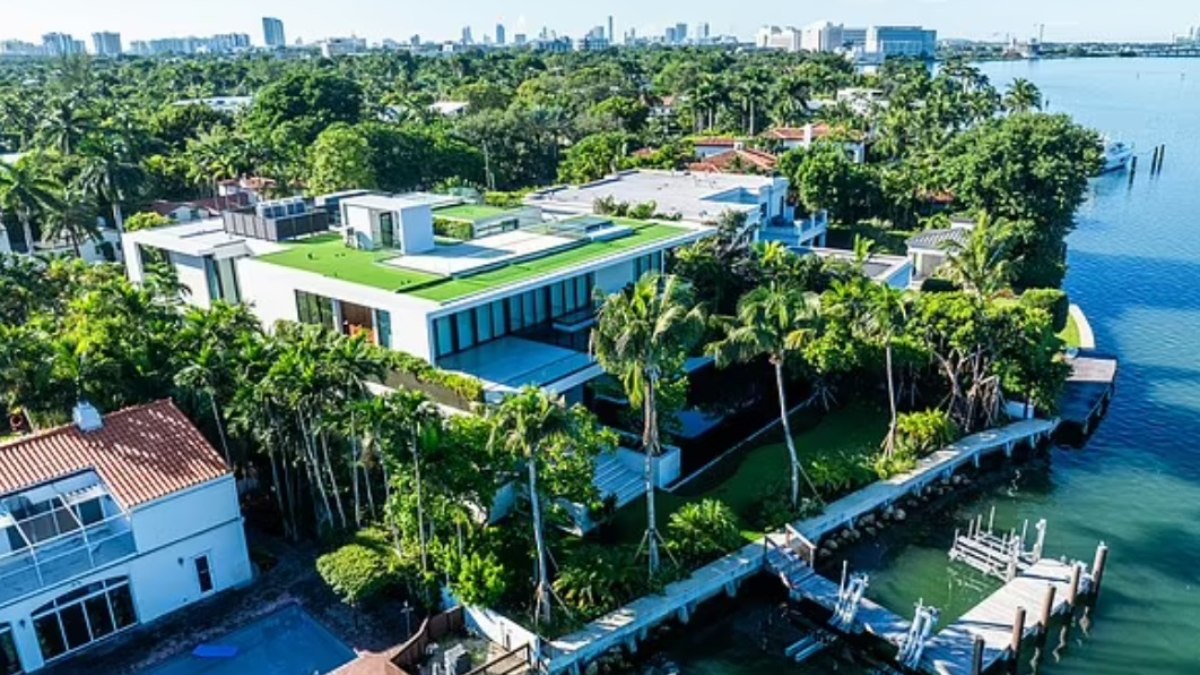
x,y
500,36
107,44
612,37
466,36
273,35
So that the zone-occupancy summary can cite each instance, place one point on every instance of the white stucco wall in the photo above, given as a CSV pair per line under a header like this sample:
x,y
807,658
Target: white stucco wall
x,y
190,270
169,534
615,277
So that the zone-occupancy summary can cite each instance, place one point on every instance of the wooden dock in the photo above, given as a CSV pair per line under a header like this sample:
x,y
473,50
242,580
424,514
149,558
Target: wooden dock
x,y
1089,389
951,651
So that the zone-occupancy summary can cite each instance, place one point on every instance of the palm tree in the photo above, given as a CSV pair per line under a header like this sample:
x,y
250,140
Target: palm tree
x,y
773,321
73,218
885,319
66,122
108,174
1022,96
523,425
642,337
751,89
415,414
27,193
982,265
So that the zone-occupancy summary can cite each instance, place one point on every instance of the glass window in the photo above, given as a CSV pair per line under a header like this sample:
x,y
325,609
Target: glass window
x,y
99,616
527,309
516,315
214,280
444,335
557,306
387,231
499,325
583,290
10,662
122,606
91,511
314,309
383,328
75,626
539,305
466,330
49,635
227,274
204,574
483,321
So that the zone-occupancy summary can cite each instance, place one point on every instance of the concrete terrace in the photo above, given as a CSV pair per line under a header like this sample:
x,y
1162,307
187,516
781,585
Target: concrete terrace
x,y
328,256
698,197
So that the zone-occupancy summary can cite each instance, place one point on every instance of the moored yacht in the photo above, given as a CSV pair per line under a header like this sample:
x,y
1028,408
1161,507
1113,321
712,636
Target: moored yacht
x,y
1117,156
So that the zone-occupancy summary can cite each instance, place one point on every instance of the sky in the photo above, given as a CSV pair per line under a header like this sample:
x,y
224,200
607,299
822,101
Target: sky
x,y
1065,20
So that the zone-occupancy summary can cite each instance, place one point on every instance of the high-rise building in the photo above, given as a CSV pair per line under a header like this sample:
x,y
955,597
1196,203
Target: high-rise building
x,y
61,44
773,37
822,36
681,32
466,36
612,37
106,44
500,36
520,39
911,41
702,31
669,35
273,35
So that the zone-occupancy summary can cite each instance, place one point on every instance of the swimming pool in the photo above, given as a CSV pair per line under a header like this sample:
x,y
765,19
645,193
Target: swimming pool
x,y
287,642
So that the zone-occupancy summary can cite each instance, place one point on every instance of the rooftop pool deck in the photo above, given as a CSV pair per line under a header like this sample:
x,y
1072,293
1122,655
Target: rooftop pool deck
x,y
328,256
286,642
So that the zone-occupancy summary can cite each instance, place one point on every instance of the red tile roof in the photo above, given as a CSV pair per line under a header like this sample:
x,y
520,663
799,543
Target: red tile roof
x,y
714,142
797,133
141,453
737,161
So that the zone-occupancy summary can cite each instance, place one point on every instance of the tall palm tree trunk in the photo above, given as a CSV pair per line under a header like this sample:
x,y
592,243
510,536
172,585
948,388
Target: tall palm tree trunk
x,y
420,505
312,461
216,413
118,217
650,448
542,592
337,492
27,231
797,469
891,382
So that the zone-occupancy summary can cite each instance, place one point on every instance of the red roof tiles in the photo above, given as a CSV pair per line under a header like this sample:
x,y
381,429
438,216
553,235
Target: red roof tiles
x,y
737,161
142,453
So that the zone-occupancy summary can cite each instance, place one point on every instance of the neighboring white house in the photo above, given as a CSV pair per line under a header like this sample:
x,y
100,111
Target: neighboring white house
x,y
708,147
927,250
230,105
450,108
111,522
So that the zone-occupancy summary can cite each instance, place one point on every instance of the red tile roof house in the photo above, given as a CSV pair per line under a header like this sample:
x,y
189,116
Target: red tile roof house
x,y
790,138
738,160
109,523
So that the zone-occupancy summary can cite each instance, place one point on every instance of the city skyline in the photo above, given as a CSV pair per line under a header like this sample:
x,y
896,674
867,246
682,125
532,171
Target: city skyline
x,y
1066,20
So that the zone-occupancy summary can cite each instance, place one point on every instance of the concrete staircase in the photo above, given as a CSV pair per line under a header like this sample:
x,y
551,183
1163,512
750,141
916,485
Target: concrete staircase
x,y
614,478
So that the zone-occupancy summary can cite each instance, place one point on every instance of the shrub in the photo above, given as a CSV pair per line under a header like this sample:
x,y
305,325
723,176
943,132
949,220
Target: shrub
x,y
357,572
1054,301
773,508
938,285
477,580
455,229
920,433
466,387
145,221
643,211
703,531
505,199
597,579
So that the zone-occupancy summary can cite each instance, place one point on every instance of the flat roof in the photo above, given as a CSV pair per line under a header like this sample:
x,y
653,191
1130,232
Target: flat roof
x,y
697,197
399,202
474,212
328,256
456,259
198,238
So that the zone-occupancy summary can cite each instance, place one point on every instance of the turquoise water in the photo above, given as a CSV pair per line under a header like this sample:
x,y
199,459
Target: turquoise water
x,y
1135,269
287,642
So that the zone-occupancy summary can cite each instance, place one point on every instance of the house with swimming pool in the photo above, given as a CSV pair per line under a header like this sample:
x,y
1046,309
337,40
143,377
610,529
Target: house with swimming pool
x,y
110,523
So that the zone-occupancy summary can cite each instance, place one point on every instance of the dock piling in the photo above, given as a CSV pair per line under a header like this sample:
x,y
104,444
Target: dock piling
x,y
977,657
1073,590
1047,609
1018,634
1098,570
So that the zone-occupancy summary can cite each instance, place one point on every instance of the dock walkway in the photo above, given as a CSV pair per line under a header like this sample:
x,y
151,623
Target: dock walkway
x,y
1089,388
951,651
628,625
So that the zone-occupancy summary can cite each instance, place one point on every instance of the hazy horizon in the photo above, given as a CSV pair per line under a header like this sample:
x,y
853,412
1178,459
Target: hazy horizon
x,y
1064,20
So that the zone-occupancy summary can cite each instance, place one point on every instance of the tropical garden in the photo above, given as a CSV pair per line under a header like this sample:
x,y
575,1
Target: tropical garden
x,y
405,492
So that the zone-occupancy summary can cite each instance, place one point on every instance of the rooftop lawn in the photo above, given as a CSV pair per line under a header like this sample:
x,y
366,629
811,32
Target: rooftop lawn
x,y
456,289
473,212
844,435
328,256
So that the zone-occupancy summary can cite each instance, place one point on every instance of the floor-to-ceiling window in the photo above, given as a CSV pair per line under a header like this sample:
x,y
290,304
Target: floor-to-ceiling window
x,y
529,310
76,619
314,309
10,662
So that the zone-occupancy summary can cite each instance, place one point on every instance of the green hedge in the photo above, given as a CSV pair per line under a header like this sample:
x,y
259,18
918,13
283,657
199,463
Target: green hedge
x,y
454,389
1054,301
455,229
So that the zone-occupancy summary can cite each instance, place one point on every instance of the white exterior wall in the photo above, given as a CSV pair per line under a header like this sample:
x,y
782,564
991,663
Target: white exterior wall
x,y
190,270
416,229
615,277
363,222
169,533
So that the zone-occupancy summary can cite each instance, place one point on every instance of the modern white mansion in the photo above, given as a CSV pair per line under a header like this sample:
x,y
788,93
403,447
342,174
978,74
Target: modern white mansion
x,y
506,299
110,522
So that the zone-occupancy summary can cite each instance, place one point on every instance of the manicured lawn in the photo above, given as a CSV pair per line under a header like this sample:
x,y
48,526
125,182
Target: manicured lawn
x,y
844,435
330,257
1070,334
455,289
473,212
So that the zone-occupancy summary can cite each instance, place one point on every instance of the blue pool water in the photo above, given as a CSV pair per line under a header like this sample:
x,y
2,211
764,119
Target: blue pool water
x,y
287,642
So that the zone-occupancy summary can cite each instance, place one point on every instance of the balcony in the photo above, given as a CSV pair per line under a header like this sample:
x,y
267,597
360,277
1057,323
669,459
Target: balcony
x,y
510,363
56,532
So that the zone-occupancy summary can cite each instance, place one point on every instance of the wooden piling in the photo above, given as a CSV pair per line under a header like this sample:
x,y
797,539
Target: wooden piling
x,y
1073,589
1047,609
1098,570
1162,155
1018,634
977,657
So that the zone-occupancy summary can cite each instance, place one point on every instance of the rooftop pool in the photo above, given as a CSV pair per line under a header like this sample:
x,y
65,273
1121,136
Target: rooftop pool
x,y
286,642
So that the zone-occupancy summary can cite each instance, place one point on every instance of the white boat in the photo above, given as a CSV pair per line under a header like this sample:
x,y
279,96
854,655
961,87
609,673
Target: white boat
x,y
1117,156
